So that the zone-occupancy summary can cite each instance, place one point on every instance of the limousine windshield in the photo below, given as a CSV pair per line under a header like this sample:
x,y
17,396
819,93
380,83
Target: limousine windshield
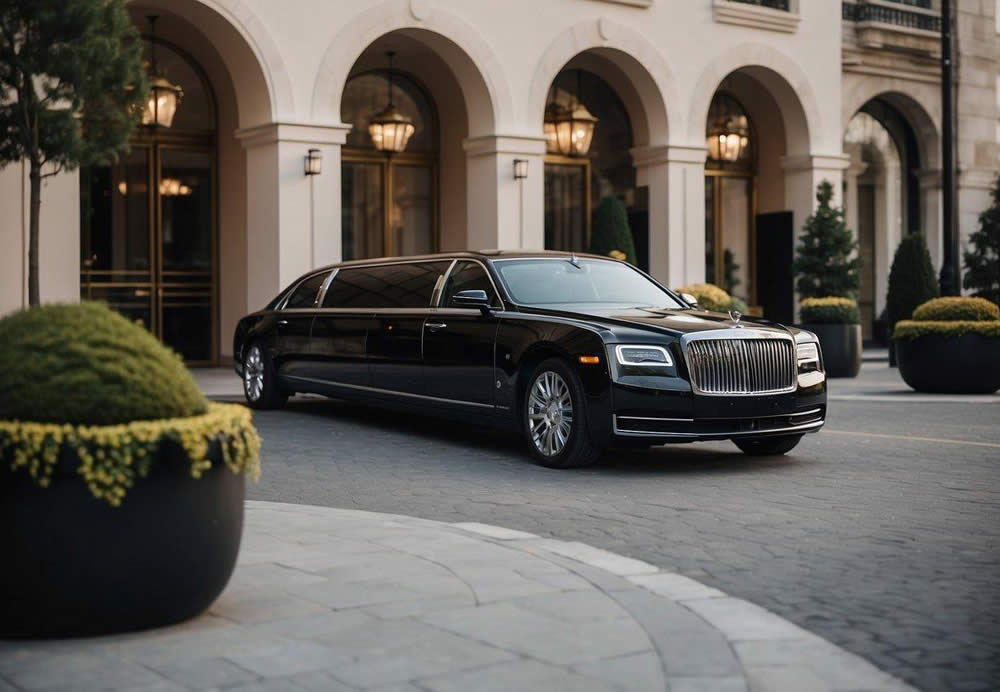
x,y
553,282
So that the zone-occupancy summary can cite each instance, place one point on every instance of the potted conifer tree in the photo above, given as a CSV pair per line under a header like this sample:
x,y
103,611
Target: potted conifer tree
x,y
827,271
912,282
982,260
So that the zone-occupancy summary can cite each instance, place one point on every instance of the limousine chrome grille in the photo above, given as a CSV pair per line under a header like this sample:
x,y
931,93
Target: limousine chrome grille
x,y
740,362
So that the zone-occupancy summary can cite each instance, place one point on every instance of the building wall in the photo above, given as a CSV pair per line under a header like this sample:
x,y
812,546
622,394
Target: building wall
x,y
280,73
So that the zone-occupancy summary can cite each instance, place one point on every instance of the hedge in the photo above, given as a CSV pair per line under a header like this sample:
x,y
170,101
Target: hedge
x,y
710,297
829,311
957,309
911,329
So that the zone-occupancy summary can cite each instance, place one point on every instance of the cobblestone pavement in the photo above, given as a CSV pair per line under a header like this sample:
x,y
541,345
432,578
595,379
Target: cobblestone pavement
x,y
880,533
339,600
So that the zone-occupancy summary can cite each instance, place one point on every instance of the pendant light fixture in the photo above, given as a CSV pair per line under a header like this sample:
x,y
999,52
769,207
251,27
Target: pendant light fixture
x,y
390,130
164,97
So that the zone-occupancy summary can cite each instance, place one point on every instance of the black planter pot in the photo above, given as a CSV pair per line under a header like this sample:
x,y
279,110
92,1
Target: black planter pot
x,y
966,364
841,344
75,566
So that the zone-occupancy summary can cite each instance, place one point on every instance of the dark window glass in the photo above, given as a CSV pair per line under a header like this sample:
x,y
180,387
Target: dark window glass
x,y
469,276
305,294
389,286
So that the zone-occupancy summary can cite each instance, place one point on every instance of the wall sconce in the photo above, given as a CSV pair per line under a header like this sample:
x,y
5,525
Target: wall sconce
x,y
520,169
314,162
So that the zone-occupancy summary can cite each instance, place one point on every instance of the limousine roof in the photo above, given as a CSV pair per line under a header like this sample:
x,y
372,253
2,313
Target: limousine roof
x,y
464,254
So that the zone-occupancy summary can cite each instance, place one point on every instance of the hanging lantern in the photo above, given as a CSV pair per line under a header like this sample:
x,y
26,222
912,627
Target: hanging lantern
x,y
164,97
569,131
728,136
390,130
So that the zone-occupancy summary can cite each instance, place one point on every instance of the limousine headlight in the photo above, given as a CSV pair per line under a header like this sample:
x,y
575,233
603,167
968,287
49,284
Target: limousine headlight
x,y
808,356
643,356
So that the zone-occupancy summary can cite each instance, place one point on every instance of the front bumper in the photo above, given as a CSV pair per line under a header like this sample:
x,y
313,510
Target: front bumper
x,y
680,415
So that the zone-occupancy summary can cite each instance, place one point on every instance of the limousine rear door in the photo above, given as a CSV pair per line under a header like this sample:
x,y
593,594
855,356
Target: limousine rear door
x,y
340,332
402,291
294,324
459,342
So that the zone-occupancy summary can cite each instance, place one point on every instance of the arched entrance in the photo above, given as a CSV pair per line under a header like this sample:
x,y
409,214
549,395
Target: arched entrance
x,y
882,195
148,224
389,198
580,174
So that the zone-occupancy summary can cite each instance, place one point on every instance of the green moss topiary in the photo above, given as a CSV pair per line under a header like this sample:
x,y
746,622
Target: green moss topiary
x,y
610,230
829,311
957,308
86,364
911,279
911,329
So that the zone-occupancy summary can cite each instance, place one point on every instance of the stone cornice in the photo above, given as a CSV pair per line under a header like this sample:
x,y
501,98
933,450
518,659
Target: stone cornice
x,y
806,162
304,133
504,144
643,157
757,17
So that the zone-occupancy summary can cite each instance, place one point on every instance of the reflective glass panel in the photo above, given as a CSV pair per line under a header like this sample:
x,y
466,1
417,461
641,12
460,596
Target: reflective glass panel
x,y
362,202
565,207
367,94
413,209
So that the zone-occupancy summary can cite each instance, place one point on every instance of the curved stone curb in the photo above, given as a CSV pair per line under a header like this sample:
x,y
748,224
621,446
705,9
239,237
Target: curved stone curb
x,y
332,599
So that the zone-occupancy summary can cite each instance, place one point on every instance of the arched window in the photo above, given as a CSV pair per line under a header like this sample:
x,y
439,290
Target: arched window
x,y
575,184
148,222
388,201
730,171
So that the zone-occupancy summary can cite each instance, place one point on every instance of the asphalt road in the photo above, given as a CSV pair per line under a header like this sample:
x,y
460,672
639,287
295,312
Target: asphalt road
x,y
880,533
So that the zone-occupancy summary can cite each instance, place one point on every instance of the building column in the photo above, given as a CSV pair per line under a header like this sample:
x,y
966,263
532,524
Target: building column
x,y
856,168
930,213
888,222
504,213
293,220
675,176
803,174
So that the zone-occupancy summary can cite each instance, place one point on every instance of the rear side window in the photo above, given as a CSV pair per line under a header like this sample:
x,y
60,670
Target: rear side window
x,y
389,286
305,294
468,276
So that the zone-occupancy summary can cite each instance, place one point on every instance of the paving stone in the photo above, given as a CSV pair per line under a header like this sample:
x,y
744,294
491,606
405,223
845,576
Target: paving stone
x,y
285,658
574,606
724,684
205,673
676,587
595,557
516,676
633,673
784,678
497,532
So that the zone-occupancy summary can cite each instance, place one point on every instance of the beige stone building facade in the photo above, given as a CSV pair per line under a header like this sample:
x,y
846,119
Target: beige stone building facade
x,y
709,121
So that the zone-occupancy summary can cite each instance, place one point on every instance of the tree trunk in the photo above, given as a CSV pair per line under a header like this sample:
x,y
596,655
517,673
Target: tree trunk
x,y
35,176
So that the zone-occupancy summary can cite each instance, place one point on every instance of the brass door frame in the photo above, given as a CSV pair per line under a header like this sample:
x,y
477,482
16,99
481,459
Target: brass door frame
x,y
717,175
584,163
386,164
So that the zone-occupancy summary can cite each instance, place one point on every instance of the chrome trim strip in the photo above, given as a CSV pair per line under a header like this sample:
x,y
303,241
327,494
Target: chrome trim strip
x,y
326,284
322,289
378,390
691,420
677,420
486,270
805,427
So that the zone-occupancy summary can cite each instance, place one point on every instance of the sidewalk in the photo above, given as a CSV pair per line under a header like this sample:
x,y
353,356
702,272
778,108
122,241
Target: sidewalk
x,y
329,599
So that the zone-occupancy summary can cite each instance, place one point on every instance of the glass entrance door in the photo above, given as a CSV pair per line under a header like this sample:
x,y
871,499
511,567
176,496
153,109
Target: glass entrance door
x,y
148,243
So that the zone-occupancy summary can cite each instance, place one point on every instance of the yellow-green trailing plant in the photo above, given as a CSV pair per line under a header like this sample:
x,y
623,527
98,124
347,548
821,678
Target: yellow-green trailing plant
x,y
110,458
829,310
911,329
957,309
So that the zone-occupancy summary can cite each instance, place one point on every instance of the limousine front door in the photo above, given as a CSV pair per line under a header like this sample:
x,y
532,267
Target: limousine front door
x,y
458,356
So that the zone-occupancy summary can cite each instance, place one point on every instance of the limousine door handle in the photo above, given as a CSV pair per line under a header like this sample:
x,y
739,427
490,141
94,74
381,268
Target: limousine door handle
x,y
434,326
282,323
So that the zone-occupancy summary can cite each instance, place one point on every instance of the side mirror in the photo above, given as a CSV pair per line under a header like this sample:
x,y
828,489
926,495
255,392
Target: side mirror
x,y
690,299
472,298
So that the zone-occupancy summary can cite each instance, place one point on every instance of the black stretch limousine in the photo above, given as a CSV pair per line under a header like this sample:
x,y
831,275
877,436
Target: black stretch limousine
x,y
577,353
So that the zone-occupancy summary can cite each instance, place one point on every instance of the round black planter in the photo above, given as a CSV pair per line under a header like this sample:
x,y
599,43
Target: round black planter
x,y
967,364
841,344
75,566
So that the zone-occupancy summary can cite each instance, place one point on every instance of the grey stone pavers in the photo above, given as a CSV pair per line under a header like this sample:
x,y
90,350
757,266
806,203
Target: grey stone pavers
x,y
425,606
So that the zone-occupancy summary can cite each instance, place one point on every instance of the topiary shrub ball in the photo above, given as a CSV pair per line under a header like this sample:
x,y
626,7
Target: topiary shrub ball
x,y
957,308
86,364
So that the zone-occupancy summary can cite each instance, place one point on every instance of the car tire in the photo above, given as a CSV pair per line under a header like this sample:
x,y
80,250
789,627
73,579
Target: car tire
x,y
554,417
768,446
260,380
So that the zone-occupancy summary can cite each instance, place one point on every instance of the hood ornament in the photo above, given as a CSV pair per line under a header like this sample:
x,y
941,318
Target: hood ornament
x,y
735,316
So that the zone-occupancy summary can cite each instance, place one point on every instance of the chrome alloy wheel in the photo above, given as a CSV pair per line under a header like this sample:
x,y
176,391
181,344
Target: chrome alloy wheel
x,y
550,413
253,374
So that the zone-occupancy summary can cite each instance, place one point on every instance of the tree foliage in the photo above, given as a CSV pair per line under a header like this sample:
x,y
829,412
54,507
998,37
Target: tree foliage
x,y
71,85
982,260
912,280
827,262
610,230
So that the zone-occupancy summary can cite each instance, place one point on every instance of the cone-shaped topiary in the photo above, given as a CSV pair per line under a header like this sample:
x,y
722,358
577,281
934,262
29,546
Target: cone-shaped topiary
x,y
982,261
86,364
827,262
911,279
610,230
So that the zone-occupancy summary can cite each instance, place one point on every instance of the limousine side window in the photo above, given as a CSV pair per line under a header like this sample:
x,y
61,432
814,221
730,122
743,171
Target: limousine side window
x,y
468,276
406,285
305,294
